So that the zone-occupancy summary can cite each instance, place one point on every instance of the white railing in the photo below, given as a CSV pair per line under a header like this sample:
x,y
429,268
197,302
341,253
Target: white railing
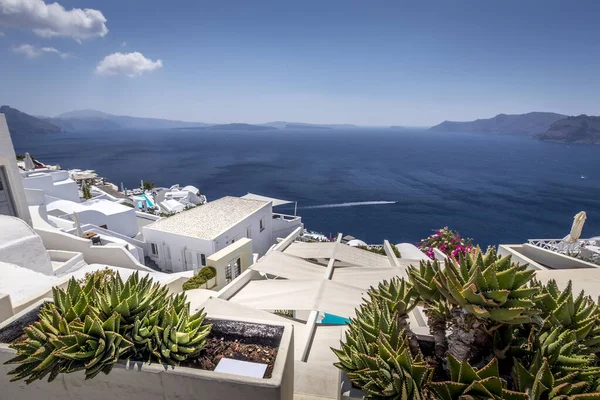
x,y
560,246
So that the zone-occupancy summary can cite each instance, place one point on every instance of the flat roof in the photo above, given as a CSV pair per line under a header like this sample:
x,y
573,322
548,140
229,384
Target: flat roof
x,y
210,220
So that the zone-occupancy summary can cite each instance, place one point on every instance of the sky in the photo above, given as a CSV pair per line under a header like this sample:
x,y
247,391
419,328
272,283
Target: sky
x,y
412,63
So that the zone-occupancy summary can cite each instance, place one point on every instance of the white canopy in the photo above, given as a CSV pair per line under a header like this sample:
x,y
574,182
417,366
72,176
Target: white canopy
x,y
341,252
321,295
364,278
288,267
276,202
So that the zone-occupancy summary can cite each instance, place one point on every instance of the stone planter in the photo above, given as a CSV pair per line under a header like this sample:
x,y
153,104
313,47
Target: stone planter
x,y
137,380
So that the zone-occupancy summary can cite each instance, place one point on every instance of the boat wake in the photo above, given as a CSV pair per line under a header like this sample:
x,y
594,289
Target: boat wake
x,y
352,204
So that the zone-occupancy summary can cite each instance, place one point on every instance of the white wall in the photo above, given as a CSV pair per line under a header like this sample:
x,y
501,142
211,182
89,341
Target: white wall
x,y
114,256
56,184
261,241
21,246
9,161
178,244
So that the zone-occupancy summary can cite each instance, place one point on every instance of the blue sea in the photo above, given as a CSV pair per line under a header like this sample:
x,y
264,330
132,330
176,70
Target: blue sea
x,y
373,184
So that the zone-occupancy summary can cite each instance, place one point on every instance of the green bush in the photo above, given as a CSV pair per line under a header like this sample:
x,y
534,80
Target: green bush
x,y
195,282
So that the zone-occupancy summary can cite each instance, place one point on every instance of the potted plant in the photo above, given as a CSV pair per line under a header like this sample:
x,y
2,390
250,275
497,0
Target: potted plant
x,y
109,338
498,334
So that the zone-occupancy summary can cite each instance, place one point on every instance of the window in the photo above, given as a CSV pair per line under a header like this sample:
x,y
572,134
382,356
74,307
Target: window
x,y
201,259
154,248
228,273
7,206
262,224
249,233
238,267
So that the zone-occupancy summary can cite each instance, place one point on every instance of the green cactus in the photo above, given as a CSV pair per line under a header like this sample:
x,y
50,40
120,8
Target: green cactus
x,y
400,298
436,308
467,382
377,358
76,302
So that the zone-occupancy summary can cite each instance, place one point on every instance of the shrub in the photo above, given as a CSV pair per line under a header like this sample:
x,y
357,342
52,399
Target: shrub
x,y
100,276
507,335
203,276
447,241
91,327
380,250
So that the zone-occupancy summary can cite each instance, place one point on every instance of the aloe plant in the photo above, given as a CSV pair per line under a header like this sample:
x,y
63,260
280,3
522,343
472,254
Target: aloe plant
x,y
179,335
580,315
400,298
132,299
91,327
377,358
436,308
487,291
539,383
467,382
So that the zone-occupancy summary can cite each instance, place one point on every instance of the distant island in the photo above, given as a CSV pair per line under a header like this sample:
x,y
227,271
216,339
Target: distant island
x,y
519,124
579,129
20,123
240,127
306,126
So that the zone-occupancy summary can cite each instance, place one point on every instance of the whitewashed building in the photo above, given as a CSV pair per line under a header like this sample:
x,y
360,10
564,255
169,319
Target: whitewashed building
x,y
184,241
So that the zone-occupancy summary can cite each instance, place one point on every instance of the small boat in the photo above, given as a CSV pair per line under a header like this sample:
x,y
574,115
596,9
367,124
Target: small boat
x,y
583,177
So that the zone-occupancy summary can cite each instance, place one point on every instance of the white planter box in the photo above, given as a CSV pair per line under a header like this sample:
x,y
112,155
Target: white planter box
x,y
133,380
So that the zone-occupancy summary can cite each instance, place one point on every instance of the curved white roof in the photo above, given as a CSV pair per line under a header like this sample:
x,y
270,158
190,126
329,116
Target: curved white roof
x,y
191,188
13,229
356,243
106,207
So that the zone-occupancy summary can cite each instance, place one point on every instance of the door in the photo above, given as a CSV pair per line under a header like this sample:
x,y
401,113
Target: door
x,y
188,260
233,270
7,206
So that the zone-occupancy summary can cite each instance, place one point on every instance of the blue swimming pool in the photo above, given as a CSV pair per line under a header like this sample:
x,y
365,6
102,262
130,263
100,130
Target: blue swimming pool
x,y
331,319
148,201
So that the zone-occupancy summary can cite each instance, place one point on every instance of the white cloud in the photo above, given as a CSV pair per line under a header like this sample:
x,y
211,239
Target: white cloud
x,y
49,20
130,64
31,51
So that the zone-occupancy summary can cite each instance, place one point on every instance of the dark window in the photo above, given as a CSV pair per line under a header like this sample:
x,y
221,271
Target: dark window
x,y
262,224
238,267
154,249
228,273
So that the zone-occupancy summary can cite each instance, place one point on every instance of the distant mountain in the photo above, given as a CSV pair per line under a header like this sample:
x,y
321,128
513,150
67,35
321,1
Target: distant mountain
x,y
304,125
20,123
241,127
519,124
579,129
86,120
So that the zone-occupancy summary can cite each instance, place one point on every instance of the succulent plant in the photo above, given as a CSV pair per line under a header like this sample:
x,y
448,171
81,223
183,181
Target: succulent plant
x,y
179,335
91,327
467,382
559,348
377,357
436,307
540,384
131,300
76,302
400,298
581,315
489,287
92,345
